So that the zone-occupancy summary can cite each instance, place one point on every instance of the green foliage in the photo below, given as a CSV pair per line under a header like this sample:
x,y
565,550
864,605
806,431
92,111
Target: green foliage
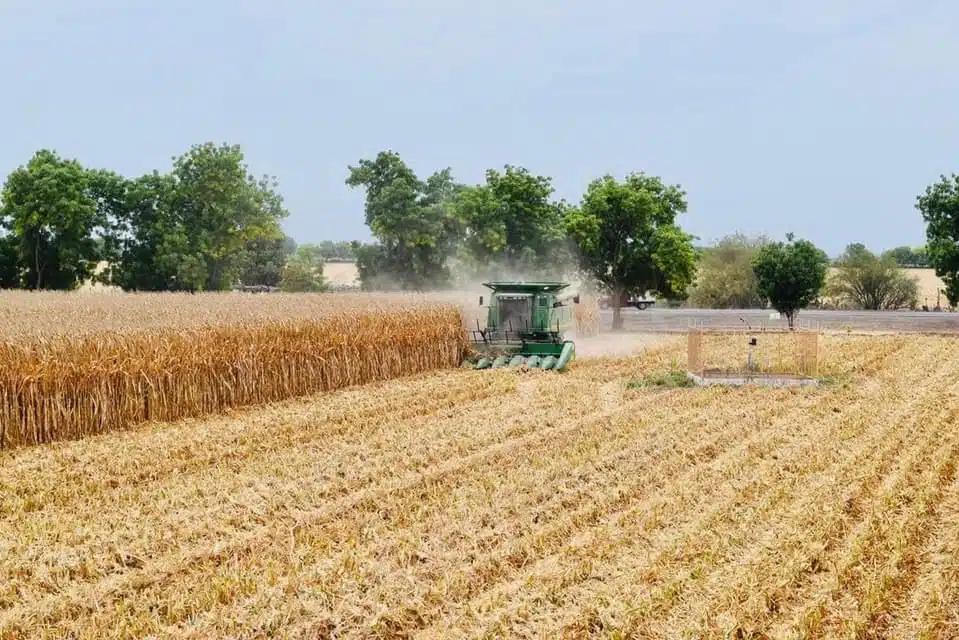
x,y
265,257
337,251
876,283
414,222
199,227
939,206
304,271
628,240
672,379
9,262
917,257
791,275
145,233
725,278
511,225
49,209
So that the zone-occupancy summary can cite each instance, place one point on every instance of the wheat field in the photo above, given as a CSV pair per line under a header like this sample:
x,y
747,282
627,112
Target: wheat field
x,y
73,366
476,504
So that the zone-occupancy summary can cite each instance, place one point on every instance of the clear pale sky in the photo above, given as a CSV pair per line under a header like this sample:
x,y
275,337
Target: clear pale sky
x,y
822,117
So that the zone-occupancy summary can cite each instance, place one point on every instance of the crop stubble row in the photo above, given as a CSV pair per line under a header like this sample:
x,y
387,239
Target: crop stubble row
x,y
531,504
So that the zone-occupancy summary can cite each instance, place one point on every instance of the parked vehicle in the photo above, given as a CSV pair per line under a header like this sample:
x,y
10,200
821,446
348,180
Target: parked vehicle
x,y
640,302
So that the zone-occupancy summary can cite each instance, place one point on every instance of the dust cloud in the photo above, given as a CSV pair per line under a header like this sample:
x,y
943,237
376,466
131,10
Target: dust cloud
x,y
618,344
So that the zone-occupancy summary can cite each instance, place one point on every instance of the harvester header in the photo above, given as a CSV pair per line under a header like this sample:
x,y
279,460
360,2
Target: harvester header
x,y
524,326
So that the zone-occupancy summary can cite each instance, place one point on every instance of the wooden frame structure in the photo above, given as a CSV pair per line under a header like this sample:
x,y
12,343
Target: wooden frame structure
x,y
765,351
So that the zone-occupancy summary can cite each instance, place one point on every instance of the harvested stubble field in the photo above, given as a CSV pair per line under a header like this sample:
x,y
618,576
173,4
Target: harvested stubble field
x,y
502,503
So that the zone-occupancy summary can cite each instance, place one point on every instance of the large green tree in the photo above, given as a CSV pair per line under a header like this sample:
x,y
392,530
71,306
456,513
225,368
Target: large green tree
x,y
413,221
791,274
265,257
48,208
145,234
628,238
511,224
220,208
725,278
939,206
876,283
195,228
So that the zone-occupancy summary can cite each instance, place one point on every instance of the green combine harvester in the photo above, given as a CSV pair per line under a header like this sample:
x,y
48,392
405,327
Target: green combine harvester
x,y
524,327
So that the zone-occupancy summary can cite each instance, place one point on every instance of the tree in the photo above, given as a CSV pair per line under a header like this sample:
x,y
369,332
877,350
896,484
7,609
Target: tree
x,y
9,262
628,239
871,282
194,229
48,208
510,222
413,221
906,256
725,277
264,259
791,274
304,271
145,233
337,251
221,208
939,206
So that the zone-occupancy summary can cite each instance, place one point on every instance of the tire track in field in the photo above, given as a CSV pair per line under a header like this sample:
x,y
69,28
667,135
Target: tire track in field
x,y
705,500
565,518
932,607
729,598
77,599
257,433
852,595
209,513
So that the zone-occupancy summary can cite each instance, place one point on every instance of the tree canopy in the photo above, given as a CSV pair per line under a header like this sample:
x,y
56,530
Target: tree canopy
x,y
628,239
413,221
49,210
725,278
201,226
939,206
791,274
867,281
511,224
906,256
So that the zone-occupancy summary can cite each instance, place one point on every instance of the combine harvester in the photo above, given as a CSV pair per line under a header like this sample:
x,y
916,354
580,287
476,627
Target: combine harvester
x,y
524,327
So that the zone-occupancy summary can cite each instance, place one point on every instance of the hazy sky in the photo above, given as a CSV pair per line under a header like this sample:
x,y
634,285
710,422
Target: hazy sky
x,y
826,118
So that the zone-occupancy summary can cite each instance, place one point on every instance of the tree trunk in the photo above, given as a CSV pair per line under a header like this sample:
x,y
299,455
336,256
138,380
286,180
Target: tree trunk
x,y
790,318
617,310
36,262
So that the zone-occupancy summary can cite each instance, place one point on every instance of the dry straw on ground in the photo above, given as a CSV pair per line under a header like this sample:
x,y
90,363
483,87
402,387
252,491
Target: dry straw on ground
x,y
472,504
74,385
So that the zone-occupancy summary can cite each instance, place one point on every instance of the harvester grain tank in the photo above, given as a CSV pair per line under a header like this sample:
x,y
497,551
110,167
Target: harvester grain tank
x,y
524,327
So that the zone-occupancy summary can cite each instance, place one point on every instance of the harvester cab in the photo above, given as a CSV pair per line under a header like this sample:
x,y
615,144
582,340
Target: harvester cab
x,y
524,327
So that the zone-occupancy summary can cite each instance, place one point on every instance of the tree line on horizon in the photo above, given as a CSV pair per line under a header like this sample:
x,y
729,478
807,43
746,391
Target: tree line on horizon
x,y
208,224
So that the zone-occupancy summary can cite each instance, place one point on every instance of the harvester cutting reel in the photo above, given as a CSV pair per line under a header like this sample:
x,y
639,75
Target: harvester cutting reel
x,y
524,323
550,356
